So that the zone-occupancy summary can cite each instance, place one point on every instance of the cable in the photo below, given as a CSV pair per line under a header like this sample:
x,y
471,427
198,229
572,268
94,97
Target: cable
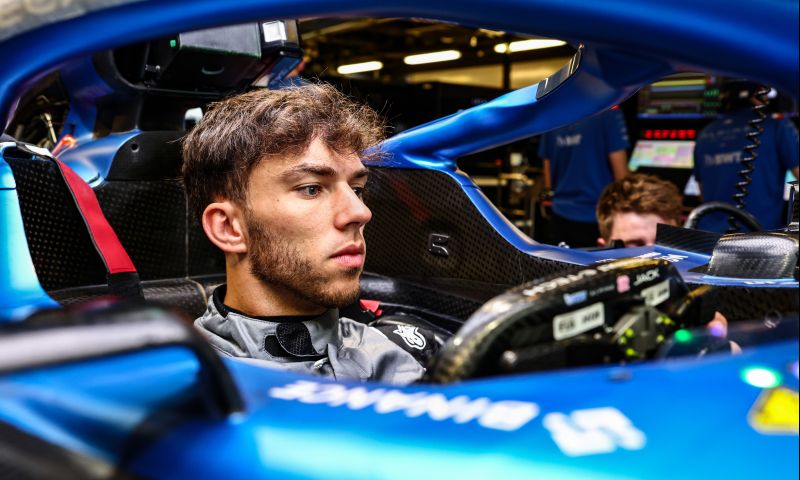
x,y
751,153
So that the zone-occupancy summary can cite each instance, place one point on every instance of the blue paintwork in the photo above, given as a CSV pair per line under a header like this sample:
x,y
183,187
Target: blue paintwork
x,y
693,413
671,34
6,176
682,406
20,291
107,399
91,159
85,87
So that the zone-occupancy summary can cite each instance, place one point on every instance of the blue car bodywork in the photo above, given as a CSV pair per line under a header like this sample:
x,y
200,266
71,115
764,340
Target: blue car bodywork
x,y
684,418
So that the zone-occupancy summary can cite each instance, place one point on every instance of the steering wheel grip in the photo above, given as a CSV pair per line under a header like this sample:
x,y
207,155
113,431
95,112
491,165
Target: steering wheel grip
x,y
701,211
552,309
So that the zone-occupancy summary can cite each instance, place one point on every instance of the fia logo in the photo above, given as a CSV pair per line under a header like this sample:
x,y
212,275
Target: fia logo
x,y
411,336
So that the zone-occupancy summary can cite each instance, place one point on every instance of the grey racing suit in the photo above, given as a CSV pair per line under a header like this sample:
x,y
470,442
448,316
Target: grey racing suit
x,y
325,344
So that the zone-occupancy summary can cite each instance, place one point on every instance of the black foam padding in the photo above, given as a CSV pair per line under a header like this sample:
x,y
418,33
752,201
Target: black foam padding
x,y
687,239
62,251
755,255
149,219
410,205
185,295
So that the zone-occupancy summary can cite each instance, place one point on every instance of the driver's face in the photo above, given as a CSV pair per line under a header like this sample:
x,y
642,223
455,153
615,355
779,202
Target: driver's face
x,y
305,226
635,229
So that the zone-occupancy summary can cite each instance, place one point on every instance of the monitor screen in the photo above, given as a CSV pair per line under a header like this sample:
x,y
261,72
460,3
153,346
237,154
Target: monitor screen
x,y
685,95
662,154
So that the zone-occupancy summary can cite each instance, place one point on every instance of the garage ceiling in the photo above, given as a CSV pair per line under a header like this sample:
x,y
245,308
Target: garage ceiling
x,y
329,43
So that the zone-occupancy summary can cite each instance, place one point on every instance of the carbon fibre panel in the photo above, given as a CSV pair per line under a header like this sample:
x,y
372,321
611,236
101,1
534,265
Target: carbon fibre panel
x,y
409,206
186,295
745,303
148,219
50,218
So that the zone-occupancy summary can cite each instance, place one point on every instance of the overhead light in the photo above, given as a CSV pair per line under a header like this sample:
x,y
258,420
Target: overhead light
x,y
532,44
359,67
443,56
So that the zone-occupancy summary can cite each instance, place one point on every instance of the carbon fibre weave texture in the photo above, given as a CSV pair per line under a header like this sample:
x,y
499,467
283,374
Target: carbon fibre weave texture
x,y
410,205
747,303
686,239
148,217
61,249
186,295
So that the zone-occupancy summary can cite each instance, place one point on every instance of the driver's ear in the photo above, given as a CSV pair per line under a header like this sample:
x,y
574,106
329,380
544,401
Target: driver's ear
x,y
223,226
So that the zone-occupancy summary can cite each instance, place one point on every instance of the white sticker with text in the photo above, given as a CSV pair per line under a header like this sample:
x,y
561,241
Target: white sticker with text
x,y
656,294
670,257
578,321
506,415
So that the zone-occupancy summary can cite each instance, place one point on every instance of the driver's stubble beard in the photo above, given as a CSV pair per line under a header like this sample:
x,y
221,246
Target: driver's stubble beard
x,y
274,261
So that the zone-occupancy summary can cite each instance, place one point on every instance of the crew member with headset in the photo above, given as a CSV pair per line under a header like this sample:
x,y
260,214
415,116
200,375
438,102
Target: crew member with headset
x,y
719,151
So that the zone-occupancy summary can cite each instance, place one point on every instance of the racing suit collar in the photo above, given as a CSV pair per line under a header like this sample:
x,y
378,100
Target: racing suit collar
x,y
323,329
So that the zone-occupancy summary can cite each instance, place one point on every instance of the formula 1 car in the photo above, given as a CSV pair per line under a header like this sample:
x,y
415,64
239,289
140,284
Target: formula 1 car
x,y
555,362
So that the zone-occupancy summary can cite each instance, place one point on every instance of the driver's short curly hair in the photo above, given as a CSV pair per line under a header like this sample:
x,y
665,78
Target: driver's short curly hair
x,y
237,133
638,193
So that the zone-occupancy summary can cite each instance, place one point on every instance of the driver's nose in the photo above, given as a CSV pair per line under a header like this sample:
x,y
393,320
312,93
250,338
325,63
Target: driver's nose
x,y
350,210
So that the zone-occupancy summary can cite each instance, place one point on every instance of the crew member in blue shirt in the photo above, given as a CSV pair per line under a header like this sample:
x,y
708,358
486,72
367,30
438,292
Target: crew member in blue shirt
x,y
720,149
579,161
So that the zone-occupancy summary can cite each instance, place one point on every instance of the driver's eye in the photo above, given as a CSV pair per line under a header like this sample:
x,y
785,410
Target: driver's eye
x,y
311,190
635,243
359,191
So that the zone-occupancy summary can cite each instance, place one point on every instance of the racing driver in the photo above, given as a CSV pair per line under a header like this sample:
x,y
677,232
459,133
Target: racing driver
x,y
276,179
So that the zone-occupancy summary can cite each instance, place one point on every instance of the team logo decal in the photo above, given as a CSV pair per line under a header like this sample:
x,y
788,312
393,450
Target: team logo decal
x,y
411,336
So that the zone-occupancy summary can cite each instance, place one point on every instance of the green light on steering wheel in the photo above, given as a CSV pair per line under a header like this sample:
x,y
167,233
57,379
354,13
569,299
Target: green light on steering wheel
x,y
683,336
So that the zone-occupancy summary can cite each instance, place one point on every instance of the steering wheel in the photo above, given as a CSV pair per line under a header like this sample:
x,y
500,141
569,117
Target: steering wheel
x,y
588,308
704,209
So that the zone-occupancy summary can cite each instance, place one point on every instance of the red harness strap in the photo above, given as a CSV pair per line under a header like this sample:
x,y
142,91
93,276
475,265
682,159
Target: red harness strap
x,y
123,280
105,240
373,306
